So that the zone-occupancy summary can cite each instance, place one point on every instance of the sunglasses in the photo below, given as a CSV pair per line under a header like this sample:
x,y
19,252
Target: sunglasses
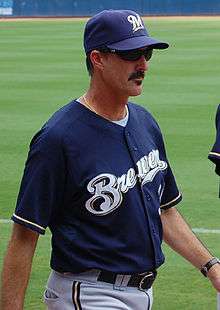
x,y
132,55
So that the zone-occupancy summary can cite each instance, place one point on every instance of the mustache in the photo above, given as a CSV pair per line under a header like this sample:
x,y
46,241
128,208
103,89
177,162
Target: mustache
x,y
136,75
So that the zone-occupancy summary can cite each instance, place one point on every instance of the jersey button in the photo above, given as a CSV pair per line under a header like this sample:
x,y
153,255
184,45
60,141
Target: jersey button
x,y
148,197
135,148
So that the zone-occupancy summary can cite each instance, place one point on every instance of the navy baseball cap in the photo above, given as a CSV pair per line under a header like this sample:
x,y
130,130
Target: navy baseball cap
x,y
120,30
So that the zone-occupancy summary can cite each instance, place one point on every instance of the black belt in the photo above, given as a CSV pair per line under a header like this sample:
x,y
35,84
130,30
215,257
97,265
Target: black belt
x,y
143,281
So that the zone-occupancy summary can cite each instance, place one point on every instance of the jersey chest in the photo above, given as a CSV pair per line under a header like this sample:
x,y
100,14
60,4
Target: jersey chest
x,y
109,168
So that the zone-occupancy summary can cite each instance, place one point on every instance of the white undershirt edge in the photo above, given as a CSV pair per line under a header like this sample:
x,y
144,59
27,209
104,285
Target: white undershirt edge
x,y
123,122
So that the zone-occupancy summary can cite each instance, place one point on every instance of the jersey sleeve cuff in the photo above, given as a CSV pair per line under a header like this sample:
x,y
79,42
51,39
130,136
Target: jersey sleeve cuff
x,y
33,226
214,156
172,203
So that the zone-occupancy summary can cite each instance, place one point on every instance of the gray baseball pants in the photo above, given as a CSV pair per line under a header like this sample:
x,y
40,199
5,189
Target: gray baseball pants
x,y
83,292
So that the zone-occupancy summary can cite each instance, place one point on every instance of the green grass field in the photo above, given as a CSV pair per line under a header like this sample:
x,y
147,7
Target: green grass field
x,y
42,68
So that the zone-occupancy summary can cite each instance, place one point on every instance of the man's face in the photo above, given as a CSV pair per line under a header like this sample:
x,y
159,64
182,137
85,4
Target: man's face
x,y
124,77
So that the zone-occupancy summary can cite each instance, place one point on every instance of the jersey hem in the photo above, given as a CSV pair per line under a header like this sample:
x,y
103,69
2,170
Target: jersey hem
x,y
116,271
28,224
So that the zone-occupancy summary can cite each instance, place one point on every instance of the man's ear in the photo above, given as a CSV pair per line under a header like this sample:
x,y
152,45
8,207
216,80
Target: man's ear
x,y
96,58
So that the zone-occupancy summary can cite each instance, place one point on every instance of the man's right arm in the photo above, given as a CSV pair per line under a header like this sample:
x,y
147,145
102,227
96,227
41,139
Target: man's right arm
x,y
17,267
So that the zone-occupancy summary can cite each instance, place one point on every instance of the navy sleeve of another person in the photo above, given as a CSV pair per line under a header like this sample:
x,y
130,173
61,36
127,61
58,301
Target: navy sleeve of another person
x,y
214,155
42,185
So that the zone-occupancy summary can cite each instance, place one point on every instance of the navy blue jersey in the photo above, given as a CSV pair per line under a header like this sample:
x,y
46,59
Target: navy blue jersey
x,y
214,155
99,187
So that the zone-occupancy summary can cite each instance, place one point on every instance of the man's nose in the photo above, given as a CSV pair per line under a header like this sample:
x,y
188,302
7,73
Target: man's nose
x,y
142,63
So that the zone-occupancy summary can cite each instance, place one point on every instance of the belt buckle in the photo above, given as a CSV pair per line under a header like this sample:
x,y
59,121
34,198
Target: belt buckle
x,y
143,281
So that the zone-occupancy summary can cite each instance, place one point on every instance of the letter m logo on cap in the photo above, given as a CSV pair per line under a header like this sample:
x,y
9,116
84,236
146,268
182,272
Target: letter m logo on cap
x,y
136,22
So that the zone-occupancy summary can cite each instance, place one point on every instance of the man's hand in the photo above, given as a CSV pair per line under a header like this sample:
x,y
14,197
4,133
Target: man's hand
x,y
214,276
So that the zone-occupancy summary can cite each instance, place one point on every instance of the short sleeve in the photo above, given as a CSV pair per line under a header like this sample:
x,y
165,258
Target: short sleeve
x,y
42,185
170,195
214,154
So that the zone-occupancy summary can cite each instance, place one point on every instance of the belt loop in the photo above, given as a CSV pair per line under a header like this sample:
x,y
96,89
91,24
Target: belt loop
x,y
119,279
126,279
118,282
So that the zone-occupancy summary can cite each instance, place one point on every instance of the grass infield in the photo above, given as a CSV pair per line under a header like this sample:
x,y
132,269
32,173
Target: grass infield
x,y
42,68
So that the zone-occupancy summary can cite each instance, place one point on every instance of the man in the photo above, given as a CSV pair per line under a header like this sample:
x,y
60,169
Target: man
x,y
214,154
97,175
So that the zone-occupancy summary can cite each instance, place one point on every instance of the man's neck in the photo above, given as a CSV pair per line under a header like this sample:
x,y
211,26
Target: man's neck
x,y
107,105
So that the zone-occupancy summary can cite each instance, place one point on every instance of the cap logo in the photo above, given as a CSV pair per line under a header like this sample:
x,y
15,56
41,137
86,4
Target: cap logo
x,y
136,22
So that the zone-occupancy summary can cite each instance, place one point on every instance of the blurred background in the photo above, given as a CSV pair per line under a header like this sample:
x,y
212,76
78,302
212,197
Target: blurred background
x,y
87,7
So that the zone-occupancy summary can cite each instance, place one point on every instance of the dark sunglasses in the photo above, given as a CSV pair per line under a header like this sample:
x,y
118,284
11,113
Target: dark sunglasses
x,y
132,55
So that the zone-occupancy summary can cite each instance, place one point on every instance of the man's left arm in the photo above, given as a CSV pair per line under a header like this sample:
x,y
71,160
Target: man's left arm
x,y
178,235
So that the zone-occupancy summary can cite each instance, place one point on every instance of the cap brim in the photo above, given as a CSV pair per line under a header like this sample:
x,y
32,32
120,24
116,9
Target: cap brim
x,y
138,42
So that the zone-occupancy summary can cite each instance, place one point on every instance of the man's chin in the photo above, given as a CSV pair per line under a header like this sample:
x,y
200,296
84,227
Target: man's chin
x,y
136,91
